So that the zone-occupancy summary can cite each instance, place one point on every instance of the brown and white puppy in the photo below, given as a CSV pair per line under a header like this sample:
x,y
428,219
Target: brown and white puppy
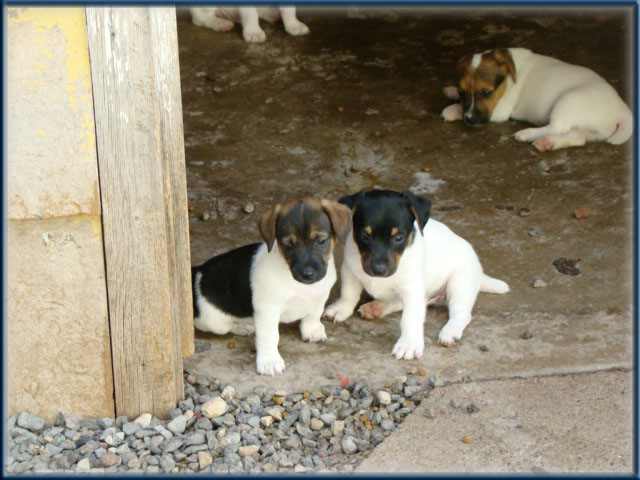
x,y
570,104
273,285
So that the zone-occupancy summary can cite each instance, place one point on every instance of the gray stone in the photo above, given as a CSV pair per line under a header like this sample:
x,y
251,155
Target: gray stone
x,y
387,425
167,463
178,424
411,390
30,422
195,439
131,428
305,416
171,445
349,445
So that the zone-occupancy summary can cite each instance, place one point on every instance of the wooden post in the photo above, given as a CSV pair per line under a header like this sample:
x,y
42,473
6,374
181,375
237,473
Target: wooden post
x,y
138,113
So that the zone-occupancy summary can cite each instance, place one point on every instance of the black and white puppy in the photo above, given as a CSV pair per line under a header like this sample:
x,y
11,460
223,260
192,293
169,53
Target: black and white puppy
x,y
407,261
273,285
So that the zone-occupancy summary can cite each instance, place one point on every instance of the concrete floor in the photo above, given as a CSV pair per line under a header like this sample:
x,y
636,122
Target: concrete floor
x,y
319,134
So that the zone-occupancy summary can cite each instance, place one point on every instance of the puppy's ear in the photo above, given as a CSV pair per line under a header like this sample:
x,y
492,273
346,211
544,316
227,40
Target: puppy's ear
x,y
504,58
267,226
463,64
352,201
340,217
420,208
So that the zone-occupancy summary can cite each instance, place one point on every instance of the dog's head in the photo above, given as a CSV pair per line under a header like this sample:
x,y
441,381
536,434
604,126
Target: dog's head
x,y
483,82
383,227
306,232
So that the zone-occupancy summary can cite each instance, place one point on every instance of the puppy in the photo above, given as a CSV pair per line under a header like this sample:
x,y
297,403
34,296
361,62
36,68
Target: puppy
x,y
273,285
222,19
570,104
407,261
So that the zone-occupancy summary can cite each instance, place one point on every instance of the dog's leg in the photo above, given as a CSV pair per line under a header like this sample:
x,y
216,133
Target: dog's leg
x,y
462,291
311,328
411,342
452,113
573,138
451,93
251,30
379,309
292,25
207,17
350,291
268,359
531,134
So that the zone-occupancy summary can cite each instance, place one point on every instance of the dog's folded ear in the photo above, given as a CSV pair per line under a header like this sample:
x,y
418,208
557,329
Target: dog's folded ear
x,y
504,58
420,208
340,217
352,201
463,64
267,225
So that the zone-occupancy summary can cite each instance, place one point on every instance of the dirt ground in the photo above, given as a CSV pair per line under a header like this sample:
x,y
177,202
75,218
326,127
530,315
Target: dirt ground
x,y
355,105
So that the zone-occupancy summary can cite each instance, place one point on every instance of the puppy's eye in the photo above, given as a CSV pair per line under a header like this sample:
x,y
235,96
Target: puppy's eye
x,y
398,238
364,236
287,244
486,93
321,241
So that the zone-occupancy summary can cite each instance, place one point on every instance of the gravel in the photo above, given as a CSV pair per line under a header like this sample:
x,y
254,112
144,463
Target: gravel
x,y
216,430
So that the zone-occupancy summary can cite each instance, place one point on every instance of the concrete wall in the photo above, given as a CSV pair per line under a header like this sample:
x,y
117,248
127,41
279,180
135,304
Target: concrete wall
x,y
59,356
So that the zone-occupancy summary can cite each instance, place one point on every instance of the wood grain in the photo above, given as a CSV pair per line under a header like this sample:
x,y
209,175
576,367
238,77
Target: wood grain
x,y
138,111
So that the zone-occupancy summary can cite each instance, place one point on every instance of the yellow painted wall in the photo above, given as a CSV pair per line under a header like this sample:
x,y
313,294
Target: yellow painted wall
x,y
59,356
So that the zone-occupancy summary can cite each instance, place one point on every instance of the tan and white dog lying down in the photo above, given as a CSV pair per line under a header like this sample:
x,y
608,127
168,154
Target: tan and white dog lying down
x,y
222,19
569,105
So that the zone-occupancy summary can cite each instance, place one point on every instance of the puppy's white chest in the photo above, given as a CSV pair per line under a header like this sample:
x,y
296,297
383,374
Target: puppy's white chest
x,y
303,299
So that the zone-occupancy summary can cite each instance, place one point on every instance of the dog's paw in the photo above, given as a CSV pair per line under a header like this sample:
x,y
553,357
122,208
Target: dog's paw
x,y
252,35
452,113
269,363
449,335
527,134
371,310
408,349
451,93
242,330
296,28
338,311
543,144
314,333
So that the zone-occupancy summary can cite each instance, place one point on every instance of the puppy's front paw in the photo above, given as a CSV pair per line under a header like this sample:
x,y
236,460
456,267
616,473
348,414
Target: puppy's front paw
x,y
527,134
313,333
269,363
338,311
296,28
449,335
408,348
371,310
452,113
252,35
451,93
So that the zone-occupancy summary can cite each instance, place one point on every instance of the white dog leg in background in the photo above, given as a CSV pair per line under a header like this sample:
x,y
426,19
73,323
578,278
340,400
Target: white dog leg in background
x,y
311,328
251,30
411,342
451,93
573,138
207,17
350,291
452,113
292,25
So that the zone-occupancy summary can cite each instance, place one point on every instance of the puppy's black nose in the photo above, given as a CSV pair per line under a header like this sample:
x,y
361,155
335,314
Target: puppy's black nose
x,y
379,269
472,119
308,273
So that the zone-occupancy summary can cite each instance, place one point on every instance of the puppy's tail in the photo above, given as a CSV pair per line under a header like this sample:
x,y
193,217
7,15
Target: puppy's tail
x,y
624,129
492,285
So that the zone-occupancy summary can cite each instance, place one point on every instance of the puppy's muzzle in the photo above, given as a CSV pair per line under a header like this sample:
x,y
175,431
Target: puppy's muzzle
x,y
307,274
475,118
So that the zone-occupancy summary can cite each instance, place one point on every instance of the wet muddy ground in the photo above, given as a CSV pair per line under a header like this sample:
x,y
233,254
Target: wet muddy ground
x,y
355,105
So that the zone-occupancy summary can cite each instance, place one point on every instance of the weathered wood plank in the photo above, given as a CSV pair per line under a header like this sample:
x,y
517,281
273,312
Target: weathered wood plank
x,y
138,112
